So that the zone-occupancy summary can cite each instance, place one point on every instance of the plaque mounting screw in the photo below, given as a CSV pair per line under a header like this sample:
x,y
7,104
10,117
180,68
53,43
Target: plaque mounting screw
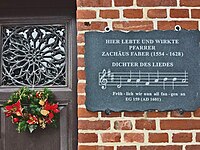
x,y
107,29
107,111
177,28
180,111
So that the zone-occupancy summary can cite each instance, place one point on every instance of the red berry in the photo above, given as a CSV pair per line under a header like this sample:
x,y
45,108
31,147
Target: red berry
x,y
15,120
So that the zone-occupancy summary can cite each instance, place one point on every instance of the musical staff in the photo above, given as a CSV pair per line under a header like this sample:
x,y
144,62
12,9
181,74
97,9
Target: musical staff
x,y
138,79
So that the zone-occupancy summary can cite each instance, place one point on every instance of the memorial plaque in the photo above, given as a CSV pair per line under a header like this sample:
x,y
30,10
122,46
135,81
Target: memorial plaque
x,y
140,71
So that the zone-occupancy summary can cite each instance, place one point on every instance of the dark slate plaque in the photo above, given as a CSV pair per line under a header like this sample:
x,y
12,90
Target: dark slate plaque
x,y
139,71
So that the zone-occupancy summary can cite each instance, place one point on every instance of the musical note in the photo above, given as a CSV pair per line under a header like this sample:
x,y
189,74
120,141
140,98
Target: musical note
x,y
120,83
112,77
103,81
173,80
129,80
148,82
139,79
184,80
164,80
157,79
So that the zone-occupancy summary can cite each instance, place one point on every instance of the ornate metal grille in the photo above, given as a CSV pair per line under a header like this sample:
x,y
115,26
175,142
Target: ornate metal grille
x,y
34,55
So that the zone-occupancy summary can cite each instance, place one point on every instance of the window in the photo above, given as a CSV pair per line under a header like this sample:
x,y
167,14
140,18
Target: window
x,y
34,55
37,52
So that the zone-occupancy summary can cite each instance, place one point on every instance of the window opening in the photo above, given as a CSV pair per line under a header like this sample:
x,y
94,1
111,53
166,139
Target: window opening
x,y
34,55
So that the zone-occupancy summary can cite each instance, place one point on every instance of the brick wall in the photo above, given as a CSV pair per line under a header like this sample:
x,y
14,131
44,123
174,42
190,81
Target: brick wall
x,y
135,130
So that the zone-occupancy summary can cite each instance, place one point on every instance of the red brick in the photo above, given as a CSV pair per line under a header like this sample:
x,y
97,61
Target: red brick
x,y
182,137
198,137
192,147
195,13
86,14
81,26
83,113
191,3
81,147
81,87
126,148
123,2
134,114
123,125
145,124
113,114
133,25
179,13
80,38
81,62
177,114
197,113
180,124
81,99
154,3
170,25
157,13
81,74
81,49
87,138
134,137
133,13
94,3
158,137
161,147
112,14
156,114
110,137
93,125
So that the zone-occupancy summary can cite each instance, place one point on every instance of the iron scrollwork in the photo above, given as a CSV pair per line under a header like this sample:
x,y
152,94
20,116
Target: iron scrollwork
x,y
34,55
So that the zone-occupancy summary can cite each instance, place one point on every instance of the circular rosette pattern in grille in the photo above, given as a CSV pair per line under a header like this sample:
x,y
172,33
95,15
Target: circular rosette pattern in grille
x,y
34,55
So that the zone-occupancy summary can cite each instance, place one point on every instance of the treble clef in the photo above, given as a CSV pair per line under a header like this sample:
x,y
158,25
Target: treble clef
x,y
102,79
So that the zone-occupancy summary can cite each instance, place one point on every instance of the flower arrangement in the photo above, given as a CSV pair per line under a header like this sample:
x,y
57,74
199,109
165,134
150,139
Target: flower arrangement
x,y
30,109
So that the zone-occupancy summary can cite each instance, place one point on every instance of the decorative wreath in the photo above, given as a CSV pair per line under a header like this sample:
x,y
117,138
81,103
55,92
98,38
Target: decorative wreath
x,y
30,109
